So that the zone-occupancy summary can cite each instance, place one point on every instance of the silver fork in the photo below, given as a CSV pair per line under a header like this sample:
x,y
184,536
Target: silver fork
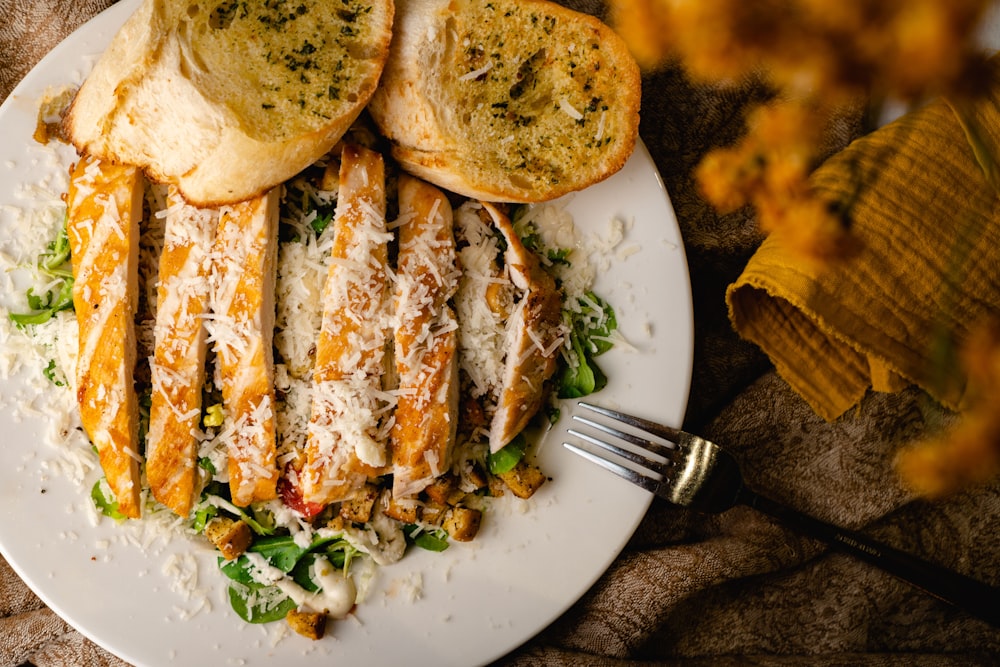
x,y
692,472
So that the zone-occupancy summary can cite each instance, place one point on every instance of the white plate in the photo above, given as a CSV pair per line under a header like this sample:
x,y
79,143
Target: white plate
x,y
478,601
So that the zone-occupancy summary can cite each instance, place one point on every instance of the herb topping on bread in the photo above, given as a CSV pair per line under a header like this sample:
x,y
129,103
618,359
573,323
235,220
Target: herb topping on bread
x,y
507,100
228,99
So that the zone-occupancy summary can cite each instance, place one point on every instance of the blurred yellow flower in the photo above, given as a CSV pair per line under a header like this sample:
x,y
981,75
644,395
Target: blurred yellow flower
x,y
815,228
769,169
904,48
647,25
968,453
818,55
728,178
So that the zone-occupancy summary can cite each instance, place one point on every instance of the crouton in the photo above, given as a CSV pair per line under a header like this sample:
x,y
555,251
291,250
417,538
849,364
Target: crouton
x,y
462,523
523,479
307,623
231,537
443,490
404,510
433,512
359,508
477,476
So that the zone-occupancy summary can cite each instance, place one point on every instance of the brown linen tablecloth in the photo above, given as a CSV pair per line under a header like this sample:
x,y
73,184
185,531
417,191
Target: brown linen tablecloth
x,y
692,589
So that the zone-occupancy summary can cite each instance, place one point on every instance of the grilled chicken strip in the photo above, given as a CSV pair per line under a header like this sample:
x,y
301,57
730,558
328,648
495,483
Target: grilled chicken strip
x,y
241,329
483,302
426,339
178,364
346,442
534,335
104,207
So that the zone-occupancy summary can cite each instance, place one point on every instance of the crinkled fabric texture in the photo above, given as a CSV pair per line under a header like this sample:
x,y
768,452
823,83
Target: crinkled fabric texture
x,y
927,229
32,633
689,589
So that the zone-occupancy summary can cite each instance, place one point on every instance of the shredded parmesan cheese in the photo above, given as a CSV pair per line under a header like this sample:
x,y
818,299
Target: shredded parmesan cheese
x,y
569,109
476,73
354,410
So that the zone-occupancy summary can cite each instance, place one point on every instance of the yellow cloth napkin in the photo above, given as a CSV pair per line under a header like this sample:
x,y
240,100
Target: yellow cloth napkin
x,y
928,223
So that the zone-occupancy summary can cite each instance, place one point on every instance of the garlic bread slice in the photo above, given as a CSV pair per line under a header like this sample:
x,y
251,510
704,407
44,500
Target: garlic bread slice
x,y
227,100
507,100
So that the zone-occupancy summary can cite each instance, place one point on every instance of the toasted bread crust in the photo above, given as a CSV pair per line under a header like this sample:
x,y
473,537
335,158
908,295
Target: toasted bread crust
x,y
507,100
226,102
103,211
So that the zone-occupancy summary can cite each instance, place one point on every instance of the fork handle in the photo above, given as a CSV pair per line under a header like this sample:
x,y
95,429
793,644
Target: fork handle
x,y
975,597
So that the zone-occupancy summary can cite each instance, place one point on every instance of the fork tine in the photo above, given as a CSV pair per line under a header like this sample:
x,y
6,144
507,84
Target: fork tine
x,y
659,467
648,445
708,479
667,433
644,481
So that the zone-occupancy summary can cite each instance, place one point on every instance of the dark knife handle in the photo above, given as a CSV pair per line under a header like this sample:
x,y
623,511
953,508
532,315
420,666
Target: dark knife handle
x,y
975,597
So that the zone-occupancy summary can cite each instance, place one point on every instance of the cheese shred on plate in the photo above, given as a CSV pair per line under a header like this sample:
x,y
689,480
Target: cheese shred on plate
x,y
293,555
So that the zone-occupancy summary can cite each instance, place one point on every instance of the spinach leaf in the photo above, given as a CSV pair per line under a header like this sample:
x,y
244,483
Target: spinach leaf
x,y
560,256
583,377
259,604
104,500
56,255
260,520
53,374
339,554
589,332
506,458
431,540
255,602
282,552
45,307
301,572
594,324
238,570
202,515
206,464
52,262
322,220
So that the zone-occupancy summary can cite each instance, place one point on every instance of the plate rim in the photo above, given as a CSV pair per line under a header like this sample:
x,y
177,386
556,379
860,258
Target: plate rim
x,y
122,10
